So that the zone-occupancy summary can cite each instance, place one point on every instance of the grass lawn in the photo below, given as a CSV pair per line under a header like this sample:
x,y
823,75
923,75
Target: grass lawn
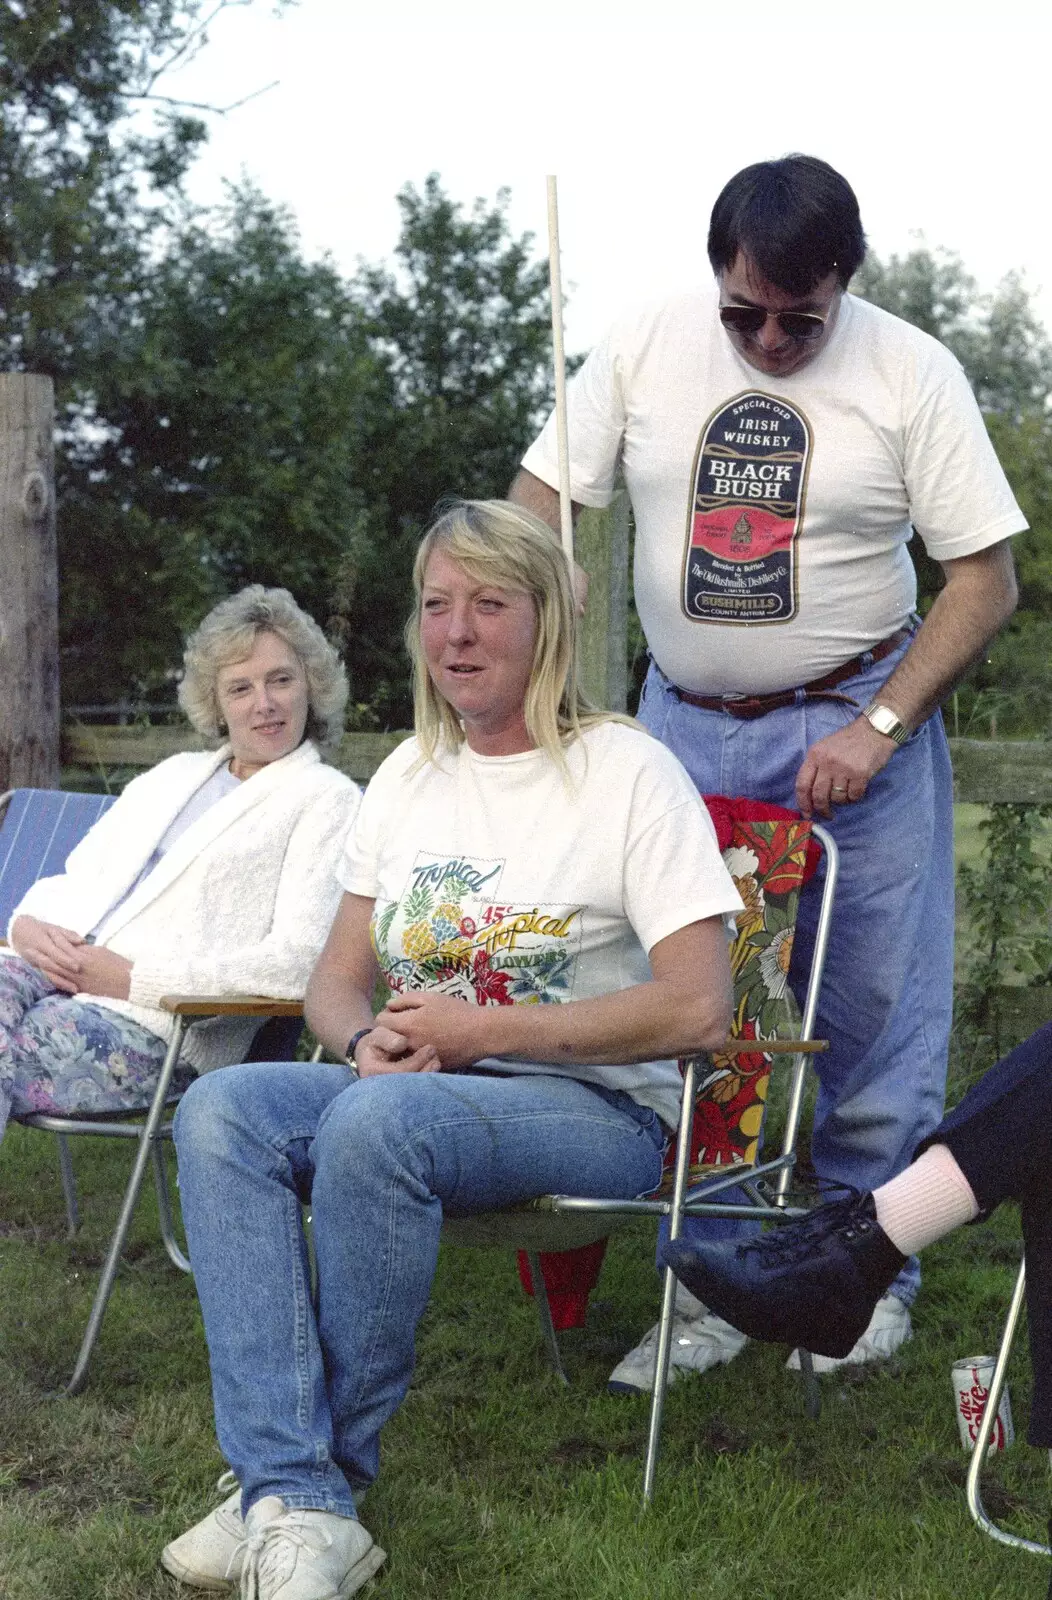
x,y
495,1481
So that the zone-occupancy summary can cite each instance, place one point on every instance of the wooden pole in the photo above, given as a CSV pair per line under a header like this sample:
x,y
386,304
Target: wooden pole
x,y
29,704
555,277
601,548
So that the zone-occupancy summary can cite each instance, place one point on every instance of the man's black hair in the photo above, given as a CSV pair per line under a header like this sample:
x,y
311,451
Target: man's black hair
x,y
796,219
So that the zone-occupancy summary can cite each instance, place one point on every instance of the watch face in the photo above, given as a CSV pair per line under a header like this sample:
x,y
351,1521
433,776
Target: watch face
x,y
884,720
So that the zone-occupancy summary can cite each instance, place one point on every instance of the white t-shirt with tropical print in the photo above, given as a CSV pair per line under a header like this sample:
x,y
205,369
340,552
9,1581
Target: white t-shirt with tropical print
x,y
505,881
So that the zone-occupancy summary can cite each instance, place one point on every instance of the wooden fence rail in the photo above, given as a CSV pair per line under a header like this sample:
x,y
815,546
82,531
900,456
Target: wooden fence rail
x,y
102,748
984,772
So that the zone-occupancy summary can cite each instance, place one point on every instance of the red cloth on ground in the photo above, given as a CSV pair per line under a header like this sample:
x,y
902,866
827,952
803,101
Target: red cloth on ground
x,y
569,1277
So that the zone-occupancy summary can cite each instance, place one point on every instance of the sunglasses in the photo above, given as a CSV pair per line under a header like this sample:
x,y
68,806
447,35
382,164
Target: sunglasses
x,y
800,325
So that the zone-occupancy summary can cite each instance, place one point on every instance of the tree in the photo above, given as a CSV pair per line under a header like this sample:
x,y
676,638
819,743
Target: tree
x,y
1007,354
1016,682
462,327
998,339
251,417
90,193
223,442
228,412
82,189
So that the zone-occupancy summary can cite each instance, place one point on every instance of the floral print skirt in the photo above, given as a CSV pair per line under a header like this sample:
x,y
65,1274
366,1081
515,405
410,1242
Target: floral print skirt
x,y
68,1056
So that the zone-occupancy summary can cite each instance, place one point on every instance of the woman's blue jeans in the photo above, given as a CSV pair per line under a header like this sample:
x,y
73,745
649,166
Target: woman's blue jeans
x,y
302,1391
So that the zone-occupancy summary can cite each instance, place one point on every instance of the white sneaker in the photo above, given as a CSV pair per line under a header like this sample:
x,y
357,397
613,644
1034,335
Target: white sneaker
x,y
700,1340
889,1327
304,1555
209,1554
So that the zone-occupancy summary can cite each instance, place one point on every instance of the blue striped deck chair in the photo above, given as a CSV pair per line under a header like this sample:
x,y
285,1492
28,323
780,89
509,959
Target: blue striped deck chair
x,y
38,829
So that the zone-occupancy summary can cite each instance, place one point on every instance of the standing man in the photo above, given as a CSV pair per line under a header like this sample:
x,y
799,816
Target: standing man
x,y
780,441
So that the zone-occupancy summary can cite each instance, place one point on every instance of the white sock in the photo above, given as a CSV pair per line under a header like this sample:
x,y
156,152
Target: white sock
x,y
930,1198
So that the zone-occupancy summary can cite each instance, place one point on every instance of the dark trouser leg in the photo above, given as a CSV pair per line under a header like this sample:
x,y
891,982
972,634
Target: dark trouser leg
x,y
1001,1137
1037,1241
1001,1133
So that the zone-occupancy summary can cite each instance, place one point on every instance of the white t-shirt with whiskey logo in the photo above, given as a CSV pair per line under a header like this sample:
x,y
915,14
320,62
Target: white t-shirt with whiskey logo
x,y
773,514
502,881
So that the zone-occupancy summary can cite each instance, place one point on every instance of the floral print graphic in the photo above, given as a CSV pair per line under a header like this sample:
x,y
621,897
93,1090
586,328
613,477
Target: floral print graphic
x,y
444,935
491,986
60,1055
768,861
548,979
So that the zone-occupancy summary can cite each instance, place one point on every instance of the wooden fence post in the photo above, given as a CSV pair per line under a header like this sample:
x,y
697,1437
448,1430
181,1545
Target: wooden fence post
x,y
601,546
29,704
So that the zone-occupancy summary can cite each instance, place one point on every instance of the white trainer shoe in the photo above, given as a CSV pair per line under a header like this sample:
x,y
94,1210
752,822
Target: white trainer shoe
x,y
700,1340
889,1327
209,1554
304,1555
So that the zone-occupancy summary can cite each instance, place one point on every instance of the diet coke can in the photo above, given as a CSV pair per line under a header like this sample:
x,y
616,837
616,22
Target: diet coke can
x,y
971,1388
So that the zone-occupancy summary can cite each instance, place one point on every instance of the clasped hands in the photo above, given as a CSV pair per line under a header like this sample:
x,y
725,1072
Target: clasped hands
x,y
421,1032
68,960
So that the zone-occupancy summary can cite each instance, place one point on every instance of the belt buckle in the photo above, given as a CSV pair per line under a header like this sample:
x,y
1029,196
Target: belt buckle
x,y
748,706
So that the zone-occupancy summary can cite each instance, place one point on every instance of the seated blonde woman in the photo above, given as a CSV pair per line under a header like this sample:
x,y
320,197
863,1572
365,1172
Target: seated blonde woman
x,y
541,888
210,874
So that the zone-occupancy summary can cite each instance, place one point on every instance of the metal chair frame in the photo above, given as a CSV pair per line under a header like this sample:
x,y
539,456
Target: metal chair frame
x,y
767,1185
149,1136
63,1127
972,1488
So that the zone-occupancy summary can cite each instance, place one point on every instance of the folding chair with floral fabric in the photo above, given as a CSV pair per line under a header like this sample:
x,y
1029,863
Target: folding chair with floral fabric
x,y
770,853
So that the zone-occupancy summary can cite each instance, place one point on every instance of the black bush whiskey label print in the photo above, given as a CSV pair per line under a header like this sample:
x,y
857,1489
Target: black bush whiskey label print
x,y
747,507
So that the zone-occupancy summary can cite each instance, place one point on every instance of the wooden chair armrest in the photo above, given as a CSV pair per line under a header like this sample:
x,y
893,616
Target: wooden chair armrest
x,y
229,1005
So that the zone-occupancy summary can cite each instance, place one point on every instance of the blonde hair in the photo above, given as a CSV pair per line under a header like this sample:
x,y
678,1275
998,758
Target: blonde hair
x,y
228,634
500,543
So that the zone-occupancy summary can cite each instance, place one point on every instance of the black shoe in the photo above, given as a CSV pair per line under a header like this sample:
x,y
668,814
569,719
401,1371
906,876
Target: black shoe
x,y
812,1284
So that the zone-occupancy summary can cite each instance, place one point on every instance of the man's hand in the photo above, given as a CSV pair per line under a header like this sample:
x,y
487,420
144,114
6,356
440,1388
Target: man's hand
x,y
383,1050
451,1027
837,769
53,950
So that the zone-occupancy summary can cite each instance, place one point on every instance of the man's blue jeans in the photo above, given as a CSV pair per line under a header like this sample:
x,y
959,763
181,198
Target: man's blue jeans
x,y
301,1392
887,996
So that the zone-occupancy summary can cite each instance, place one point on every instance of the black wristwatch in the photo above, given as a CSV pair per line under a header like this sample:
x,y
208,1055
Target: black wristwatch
x,y
356,1040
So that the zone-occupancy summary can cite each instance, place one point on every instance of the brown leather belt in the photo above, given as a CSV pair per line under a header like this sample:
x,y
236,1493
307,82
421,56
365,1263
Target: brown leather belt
x,y
758,705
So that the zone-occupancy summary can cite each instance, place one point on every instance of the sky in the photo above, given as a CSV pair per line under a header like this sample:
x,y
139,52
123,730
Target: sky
x,y
936,112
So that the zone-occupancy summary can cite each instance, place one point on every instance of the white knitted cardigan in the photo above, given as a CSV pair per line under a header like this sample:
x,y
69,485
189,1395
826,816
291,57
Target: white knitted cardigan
x,y
241,904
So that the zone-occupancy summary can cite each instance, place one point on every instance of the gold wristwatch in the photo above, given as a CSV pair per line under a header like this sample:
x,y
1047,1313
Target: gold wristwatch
x,y
886,722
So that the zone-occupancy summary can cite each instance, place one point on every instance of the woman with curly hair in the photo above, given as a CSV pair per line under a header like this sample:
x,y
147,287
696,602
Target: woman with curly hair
x,y
211,874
